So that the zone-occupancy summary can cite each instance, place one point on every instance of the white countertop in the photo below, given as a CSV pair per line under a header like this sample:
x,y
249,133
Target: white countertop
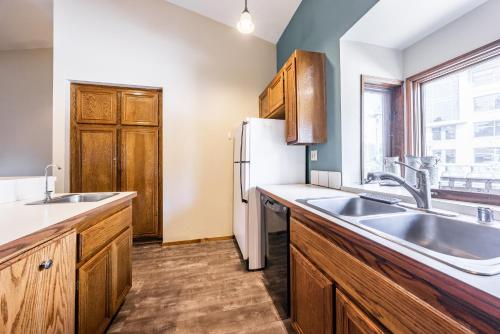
x,y
18,220
290,193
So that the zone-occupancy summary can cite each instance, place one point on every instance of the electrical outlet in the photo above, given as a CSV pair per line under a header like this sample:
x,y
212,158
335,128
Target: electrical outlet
x,y
314,155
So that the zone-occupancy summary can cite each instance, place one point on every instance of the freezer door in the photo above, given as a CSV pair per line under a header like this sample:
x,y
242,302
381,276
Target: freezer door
x,y
240,213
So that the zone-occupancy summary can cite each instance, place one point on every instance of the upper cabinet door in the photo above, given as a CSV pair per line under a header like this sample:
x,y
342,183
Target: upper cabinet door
x,y
95,159
140,172
139,108
264,104
291,101
96,105
276,94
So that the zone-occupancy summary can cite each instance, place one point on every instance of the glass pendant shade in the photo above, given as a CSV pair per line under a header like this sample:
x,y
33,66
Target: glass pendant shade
x,y
245,24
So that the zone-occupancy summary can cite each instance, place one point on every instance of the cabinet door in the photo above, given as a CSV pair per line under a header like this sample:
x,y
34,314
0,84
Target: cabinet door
x,y
264,104
351,320
37,292
96,105
291,101
95,159
139,108
311,296
276,93
94,293
140,172
121,256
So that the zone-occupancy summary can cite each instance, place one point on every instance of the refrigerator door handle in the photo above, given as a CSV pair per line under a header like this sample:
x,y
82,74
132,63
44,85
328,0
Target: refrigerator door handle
x,y
243,136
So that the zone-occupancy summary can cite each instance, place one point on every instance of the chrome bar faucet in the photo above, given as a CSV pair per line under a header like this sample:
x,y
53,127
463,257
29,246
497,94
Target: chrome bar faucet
x,y
421,193
48,194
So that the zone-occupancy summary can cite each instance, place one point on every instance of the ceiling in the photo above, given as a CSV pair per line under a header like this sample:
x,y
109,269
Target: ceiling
x,y
398,24
25,24
270,16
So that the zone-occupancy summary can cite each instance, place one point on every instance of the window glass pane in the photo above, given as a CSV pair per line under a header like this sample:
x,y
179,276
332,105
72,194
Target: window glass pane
x,y
484,129
461,114
376,129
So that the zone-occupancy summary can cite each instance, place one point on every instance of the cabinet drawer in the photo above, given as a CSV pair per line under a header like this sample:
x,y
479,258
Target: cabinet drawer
x,y
97,236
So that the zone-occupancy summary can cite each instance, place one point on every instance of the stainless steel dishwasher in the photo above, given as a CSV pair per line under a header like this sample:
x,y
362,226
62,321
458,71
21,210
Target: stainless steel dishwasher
x,y
276,240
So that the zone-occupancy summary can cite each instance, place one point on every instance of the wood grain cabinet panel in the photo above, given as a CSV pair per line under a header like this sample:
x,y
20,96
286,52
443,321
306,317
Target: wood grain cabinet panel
x,y
96,160
139,172
264,104
311,296
36,299
276,94
121,256
139,108
351,320
290,101
96,105
94,294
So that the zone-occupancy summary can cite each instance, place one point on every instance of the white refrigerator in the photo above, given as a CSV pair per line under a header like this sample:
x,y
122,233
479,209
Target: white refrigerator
x,y
261,157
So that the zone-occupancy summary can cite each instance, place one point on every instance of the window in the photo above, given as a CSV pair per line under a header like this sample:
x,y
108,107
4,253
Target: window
x,y
381,122
488,155
487,103
454,114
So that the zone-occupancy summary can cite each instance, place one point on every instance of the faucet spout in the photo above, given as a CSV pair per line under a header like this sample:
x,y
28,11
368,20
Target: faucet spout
x,y
422,194
48,194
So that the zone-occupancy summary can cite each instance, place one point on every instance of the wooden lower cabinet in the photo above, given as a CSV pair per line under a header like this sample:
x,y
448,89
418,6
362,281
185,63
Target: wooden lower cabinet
x,y
351,320
121,268
37,289
312,297
94,293
105,278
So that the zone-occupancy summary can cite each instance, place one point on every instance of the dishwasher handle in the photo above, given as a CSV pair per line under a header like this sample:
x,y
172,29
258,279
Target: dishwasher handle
x,y
273,206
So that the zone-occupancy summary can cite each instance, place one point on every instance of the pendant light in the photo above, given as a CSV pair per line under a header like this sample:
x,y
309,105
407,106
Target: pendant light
x,y
245,24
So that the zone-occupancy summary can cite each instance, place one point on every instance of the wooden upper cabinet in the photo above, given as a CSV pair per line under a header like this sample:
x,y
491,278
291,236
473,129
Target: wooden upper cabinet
x,y
290,101
264,104
139,172
352,320
311,296
276,95
94,160
297,94
94,294
38,296
96,105
121,268
139,108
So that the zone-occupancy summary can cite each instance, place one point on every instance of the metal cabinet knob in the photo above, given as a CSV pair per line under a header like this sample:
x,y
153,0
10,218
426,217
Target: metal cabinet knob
x,y
45,265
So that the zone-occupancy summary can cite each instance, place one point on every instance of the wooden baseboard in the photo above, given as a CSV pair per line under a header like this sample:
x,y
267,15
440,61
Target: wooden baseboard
x,y
197,241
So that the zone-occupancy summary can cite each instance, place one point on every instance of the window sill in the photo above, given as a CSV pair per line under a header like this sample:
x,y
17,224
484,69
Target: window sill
x,y
464,208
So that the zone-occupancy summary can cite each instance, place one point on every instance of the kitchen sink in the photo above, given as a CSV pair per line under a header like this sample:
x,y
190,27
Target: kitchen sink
x,y
75,198
351,206
442,235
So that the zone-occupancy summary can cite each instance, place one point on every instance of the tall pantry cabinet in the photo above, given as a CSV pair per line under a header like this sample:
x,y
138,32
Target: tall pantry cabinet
x,y
116,146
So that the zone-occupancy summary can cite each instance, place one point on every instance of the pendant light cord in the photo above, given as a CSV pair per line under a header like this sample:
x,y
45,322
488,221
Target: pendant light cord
x,y
246,9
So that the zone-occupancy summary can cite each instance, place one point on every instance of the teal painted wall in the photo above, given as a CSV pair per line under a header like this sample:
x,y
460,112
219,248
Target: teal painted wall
x,y
317,26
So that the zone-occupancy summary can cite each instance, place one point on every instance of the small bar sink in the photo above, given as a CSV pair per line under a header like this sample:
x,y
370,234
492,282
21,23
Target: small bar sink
x,y
443,235
75,198
351,206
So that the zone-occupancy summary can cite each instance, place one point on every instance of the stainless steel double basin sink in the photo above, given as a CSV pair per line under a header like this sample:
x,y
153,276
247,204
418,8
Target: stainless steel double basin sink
x,y
467,246
75,198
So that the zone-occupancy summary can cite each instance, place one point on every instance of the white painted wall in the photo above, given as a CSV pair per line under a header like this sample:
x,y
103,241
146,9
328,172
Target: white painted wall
x,y
358,59
25,111
211,76
471,31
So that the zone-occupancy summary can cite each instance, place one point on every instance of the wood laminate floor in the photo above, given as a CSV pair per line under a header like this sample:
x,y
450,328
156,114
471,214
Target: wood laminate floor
x,y
198,288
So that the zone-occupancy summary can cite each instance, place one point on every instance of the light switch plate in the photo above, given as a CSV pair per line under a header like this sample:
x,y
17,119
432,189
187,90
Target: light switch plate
x,y
314,177
314,155
323,178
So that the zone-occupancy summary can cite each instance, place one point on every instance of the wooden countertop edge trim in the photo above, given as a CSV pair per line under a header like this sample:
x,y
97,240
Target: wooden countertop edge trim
x,y
27,242
484,305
